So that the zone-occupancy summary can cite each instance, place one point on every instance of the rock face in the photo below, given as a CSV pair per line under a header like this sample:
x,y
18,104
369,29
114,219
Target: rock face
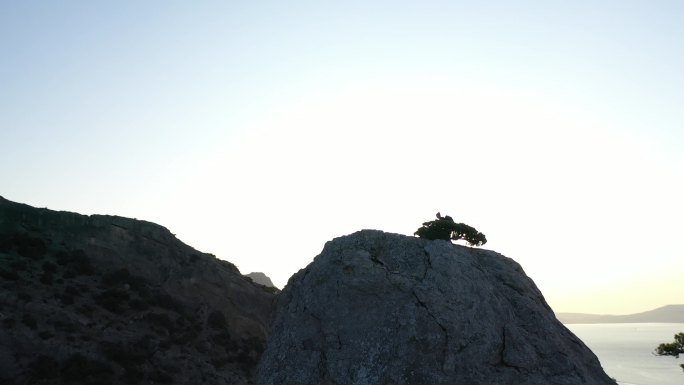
x,y
104,299
261,279
376,308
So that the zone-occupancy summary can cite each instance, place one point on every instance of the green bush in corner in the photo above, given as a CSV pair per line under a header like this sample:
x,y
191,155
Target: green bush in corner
x,y
445,228
673,348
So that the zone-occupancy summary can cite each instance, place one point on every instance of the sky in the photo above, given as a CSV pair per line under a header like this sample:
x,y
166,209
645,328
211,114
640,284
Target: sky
x,y
258,131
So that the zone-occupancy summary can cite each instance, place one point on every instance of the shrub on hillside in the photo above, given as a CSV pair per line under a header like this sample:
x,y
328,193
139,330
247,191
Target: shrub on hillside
x,y
167,302
161,321
29,246
216,320
124,277
47,278
76,261
112,300
9,275
49,267
43,368
78,368
30,321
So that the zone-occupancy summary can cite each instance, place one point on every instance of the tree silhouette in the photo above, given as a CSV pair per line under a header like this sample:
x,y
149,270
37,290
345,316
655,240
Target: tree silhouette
x,y
672,349
446,229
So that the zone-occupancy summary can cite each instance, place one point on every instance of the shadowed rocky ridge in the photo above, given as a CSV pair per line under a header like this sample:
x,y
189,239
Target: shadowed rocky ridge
x,y
377,308
110,300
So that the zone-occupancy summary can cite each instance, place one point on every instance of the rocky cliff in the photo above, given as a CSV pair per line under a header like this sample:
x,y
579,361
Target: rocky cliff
x,y
376,308
111,300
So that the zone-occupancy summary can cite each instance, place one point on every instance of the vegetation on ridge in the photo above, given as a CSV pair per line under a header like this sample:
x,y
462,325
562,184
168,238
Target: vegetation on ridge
x,y
445,228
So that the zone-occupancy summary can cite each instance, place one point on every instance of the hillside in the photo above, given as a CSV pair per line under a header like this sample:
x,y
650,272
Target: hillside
x,y
665,314
109,300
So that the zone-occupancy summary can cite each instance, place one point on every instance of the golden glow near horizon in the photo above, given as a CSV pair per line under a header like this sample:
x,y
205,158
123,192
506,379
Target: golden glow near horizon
x,y
538,184
259,132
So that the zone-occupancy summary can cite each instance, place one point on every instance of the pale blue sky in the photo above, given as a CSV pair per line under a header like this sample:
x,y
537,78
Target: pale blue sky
x,y
257,132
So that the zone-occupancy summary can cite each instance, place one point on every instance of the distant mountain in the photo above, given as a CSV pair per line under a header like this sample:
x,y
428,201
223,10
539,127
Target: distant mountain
x,y
260,278
665,314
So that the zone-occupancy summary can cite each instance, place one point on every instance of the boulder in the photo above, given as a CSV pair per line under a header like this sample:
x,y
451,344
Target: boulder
x,y
377,308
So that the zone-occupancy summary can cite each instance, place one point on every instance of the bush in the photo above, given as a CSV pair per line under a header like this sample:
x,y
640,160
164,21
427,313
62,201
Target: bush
x,y
62,258
80,368
672,349
68,295
112,300
167,302
446,229
29,321
193,258
24,297
77,262
49,267
46,334
216,320
228,265
71,291
161,320
123,354
85,309
161,377
185,337
80,263
6,245
133,375
28,246
8,323
19,265
123,277
138,304
43,368
47,278
67,327
9,275
223,339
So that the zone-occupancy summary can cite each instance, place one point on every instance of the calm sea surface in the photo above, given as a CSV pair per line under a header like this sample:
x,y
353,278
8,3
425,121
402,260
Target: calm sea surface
x,y
626,351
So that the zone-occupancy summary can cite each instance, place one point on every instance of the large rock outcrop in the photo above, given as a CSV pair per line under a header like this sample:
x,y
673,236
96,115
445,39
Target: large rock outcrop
x,y
103,299
376,308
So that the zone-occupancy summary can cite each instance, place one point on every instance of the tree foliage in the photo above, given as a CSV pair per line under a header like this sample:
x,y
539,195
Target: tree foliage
x,y
672,349
445,228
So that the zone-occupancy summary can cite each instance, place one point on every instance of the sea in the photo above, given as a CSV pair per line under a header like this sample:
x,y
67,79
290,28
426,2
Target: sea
x,y
626,351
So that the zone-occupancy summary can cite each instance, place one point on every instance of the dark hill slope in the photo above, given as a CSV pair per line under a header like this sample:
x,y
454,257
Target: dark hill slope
x,y
110,300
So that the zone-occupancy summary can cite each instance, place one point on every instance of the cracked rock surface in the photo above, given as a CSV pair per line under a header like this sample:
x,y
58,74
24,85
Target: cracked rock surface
x,y
377,308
